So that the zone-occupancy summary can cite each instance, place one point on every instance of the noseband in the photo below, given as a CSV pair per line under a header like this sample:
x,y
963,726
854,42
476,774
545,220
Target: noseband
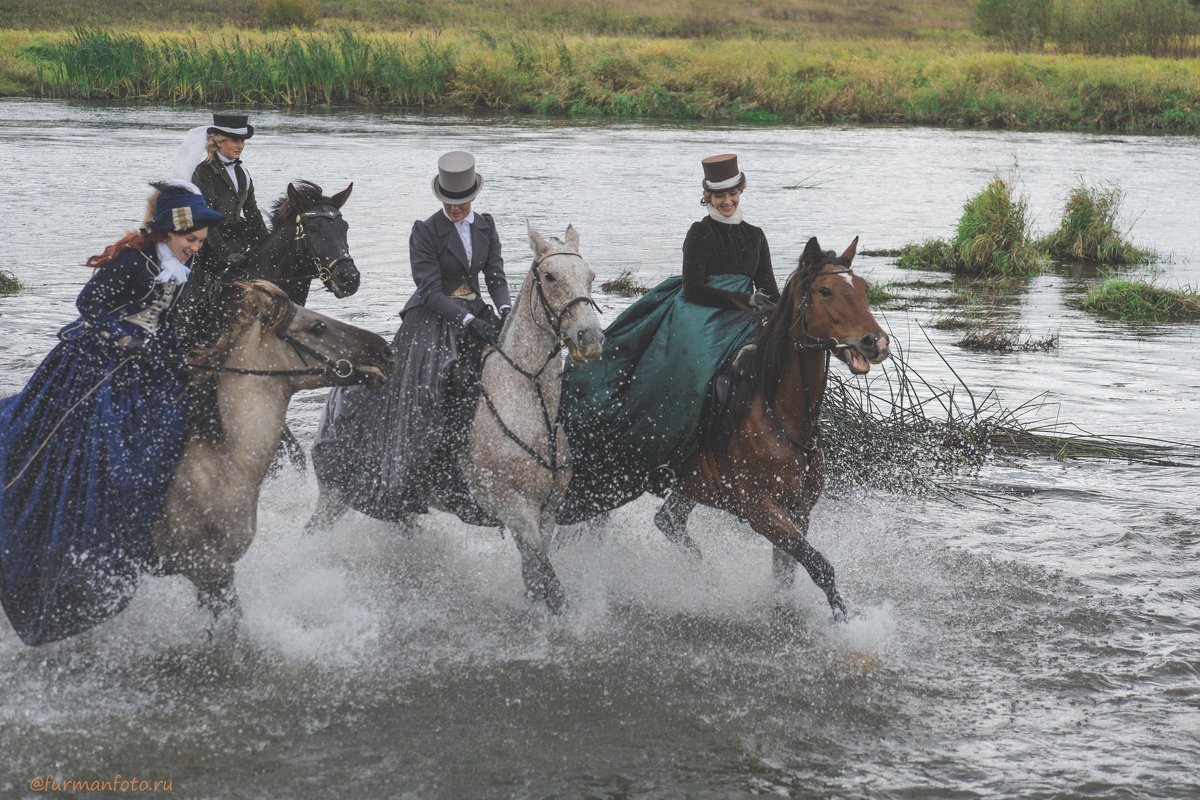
x,y
555,318
338,368
301,248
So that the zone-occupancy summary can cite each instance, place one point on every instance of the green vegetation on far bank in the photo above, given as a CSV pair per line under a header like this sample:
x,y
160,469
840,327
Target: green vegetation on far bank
x,y
810,81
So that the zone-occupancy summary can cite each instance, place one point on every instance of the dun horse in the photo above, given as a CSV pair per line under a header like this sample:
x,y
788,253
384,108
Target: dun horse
x,y
771,472
517,462
268,349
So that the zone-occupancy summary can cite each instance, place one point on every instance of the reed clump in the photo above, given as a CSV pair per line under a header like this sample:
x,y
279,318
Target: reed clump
x,y
1109,27
9,283
625,284
999,339
1142,301
992,238
1089,229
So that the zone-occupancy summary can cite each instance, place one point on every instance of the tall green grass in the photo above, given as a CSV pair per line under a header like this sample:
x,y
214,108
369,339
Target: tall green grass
x,y
992,238
799,82
1107,27
1088,230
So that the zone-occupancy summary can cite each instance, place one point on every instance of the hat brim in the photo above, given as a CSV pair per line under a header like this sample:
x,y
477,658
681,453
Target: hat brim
x,y
455,199
240,133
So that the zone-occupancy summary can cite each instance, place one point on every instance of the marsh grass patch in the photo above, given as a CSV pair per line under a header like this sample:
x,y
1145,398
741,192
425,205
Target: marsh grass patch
x,y
1142,301
625,284
1090,229
9,283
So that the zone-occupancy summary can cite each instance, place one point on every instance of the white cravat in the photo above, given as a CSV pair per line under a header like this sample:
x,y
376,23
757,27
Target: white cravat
x,y
172,268
229,167
731,220
464,231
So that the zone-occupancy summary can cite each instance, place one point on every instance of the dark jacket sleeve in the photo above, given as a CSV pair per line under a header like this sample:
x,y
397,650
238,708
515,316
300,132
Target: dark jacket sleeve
x,y
424,257
697,259
254,217
117,283
493,270
216,247
764,277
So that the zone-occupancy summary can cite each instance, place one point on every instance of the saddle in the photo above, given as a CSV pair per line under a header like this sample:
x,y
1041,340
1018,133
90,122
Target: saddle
x,y
732,388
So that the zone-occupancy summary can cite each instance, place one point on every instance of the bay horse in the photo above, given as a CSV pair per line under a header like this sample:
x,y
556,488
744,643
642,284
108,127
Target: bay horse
x,y
268,349
517,462
771,471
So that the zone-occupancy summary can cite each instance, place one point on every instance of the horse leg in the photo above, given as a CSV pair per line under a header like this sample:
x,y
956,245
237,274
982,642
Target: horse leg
x,y
330,508
776,524
216,592
541,582
672,519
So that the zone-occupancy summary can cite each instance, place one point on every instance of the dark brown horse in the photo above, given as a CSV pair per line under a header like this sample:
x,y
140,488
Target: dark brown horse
x,y
770,474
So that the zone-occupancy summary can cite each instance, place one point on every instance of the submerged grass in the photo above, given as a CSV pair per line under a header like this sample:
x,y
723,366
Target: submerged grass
x,y
625,285
1141,301
991,339
1089,232
809,80
895,431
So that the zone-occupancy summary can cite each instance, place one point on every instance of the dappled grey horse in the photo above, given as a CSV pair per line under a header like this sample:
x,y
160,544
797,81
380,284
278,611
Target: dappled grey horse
x,y
517,462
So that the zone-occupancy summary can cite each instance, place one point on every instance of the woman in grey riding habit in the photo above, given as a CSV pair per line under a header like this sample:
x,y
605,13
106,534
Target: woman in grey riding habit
x,y
384,450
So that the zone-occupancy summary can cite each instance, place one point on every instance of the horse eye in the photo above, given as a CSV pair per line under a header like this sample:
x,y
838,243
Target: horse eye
x,y
550,277
824,290
317,328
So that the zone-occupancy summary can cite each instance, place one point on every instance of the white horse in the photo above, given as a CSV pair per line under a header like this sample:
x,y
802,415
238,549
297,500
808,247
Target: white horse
x,y
268,350
517,462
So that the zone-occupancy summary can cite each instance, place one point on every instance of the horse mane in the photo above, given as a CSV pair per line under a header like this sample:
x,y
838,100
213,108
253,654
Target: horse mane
x,y
310,195
245,304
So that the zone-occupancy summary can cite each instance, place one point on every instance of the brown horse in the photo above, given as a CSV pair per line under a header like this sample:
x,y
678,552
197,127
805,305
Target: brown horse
x,y
770,474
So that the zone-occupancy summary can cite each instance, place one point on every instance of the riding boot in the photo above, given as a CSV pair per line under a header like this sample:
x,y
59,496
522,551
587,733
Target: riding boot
x,y
672,519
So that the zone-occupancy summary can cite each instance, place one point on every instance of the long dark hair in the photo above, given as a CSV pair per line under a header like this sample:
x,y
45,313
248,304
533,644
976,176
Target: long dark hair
x,y
134,240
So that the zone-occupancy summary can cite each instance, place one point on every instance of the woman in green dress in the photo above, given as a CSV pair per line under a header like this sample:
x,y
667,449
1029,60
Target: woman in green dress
x,y
634,414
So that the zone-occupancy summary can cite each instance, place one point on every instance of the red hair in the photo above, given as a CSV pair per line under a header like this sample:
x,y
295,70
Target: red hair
x,y
134,240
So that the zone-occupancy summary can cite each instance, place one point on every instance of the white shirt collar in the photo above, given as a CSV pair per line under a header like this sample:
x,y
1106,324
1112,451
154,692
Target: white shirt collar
x,y
468,219
172,268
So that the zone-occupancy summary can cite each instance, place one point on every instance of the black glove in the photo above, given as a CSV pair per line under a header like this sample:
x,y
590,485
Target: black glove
x,y
485,329
504,314
760,302
235,267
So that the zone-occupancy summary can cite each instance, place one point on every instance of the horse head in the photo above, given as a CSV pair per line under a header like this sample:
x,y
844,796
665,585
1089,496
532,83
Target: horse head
x,y
266,334
319,248
828,305
559,288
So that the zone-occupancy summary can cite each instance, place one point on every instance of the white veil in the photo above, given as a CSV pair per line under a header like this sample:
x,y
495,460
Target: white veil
x,y
191,152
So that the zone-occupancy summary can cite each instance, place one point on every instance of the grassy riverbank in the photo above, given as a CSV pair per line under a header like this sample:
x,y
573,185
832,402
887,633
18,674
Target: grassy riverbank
x,y
795,61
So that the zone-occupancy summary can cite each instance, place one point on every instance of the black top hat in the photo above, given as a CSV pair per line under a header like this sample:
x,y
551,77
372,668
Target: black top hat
x,y
232,125
721,172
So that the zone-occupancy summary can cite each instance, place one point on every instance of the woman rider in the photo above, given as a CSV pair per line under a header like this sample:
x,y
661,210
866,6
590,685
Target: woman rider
x,y
88,447
634,415
383,451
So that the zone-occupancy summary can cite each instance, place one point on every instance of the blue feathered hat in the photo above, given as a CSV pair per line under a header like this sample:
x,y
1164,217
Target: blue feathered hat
x,y
176,206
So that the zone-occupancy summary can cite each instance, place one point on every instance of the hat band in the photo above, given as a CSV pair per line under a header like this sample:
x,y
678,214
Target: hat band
x,y
231,131
722,185
459,195
181,218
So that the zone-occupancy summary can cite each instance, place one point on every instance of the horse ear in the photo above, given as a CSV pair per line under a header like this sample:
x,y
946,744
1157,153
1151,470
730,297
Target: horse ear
x,y
812,256
851,250
572,240
293,195
536,242
341,197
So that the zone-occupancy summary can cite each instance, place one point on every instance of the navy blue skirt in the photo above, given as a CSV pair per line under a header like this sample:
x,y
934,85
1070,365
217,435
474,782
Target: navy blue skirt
x,y
87,451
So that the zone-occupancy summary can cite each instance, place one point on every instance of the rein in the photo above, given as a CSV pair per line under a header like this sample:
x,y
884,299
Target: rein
x,y
339,368
555,318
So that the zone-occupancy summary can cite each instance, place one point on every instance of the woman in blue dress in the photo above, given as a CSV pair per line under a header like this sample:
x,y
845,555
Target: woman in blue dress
x,y
88,447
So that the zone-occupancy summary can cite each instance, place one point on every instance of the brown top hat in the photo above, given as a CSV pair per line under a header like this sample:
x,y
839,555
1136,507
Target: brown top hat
x,y
457,181
721,172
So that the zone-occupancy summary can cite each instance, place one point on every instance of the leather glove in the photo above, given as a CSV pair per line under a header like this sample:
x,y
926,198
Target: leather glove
x,y
485,329
760,302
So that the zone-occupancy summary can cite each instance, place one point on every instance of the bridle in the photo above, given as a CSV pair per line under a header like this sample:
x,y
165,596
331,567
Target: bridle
x,y
339,368
555,318
806,341
301,249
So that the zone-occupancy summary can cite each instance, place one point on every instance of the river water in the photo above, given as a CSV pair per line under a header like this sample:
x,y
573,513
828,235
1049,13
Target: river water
x,y
1045,644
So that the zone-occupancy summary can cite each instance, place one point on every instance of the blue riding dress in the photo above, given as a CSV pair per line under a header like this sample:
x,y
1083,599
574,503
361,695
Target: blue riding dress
x,y
87,451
